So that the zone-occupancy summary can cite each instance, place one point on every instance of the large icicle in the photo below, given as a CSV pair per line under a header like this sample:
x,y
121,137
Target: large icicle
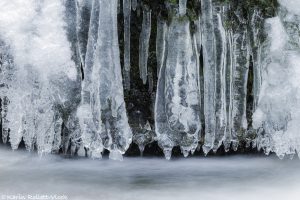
x,y
144,44
89,122
177,108
209,56
220,50
229,87
107,79
127,15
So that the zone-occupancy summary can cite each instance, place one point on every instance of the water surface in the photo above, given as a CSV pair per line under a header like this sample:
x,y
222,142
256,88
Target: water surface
x,y
226,178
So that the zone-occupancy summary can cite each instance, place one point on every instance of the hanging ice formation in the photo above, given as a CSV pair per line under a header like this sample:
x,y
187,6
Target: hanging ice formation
x,y
102,113
37,85
177,107
225,76
277,114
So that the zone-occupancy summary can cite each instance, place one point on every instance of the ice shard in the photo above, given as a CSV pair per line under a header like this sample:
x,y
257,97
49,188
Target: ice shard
x,y
229,89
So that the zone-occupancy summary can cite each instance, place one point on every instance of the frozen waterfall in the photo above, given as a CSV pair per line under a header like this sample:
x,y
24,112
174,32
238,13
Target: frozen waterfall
x,y
227,77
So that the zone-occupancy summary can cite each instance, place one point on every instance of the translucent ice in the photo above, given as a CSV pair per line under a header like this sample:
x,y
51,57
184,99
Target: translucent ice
x,y
103,115
277,114
36,35
177,107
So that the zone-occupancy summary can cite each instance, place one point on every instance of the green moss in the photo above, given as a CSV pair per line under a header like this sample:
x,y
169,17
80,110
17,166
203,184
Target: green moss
x,y
172,1
268,7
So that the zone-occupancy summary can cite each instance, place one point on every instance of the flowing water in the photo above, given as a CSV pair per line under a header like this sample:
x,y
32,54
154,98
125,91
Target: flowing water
x,y
231,178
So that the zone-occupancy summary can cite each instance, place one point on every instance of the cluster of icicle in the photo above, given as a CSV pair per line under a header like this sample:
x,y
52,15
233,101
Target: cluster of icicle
x,y
190,97
61,83
46,100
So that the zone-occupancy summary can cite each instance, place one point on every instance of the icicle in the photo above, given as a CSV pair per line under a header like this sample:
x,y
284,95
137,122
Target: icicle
x,y
220,84
162,129
89,120
161,38
182,7
127,15
107,77
229,89
82,21
177,108
144,44
209,53
256,30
